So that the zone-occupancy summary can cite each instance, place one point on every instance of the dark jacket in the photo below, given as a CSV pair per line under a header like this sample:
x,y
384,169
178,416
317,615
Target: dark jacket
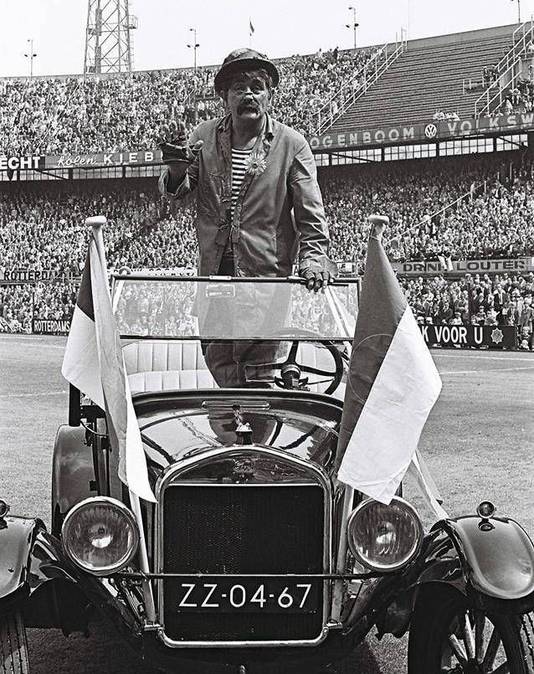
x,y
279,210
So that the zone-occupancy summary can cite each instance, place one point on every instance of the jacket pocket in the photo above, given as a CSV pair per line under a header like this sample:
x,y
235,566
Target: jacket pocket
x,y
210,193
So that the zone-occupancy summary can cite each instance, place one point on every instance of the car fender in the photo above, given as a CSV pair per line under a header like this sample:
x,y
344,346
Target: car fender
x,y
17,538
37,578
496,557
72,472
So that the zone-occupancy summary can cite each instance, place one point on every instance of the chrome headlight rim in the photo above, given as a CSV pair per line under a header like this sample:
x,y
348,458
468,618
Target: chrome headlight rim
x,y
101,501
386,568
4,508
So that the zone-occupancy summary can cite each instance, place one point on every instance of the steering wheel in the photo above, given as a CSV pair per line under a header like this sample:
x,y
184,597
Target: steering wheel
x,y
291,369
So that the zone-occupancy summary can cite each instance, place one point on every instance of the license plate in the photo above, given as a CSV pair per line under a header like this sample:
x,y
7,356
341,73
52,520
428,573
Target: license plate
x,y
229,596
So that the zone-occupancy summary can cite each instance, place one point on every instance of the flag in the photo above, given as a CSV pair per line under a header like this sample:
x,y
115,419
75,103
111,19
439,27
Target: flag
x,y
392,384
250,27
93,362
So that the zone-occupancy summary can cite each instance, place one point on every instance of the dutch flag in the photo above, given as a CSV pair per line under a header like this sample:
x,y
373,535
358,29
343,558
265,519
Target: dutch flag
x,y
93,363
392,383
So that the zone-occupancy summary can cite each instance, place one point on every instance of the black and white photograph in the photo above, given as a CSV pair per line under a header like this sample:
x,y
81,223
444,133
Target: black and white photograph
x,y
266,337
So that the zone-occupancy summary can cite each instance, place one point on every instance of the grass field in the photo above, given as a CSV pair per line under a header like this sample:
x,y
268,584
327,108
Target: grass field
x,y
478,443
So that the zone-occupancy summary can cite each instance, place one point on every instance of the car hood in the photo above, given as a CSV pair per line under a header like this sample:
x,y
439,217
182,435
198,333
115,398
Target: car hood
x,y
179,425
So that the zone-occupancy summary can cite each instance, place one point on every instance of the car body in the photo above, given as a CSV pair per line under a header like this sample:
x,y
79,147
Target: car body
x,y
253,553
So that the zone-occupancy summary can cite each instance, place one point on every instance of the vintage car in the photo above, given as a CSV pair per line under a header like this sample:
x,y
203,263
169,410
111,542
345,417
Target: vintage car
x,y
253,554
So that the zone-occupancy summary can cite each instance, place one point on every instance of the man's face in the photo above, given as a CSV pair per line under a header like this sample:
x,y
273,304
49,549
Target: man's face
x,y
248,97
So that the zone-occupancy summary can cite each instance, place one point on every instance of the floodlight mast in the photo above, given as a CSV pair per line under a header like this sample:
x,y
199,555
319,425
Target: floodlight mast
x,y
30,55
354,25
108,44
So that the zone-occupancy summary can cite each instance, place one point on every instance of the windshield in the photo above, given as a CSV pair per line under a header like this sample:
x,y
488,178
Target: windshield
x,y
233,309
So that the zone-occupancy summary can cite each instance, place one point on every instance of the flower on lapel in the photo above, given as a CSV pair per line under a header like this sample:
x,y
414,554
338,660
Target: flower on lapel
x,y
255,165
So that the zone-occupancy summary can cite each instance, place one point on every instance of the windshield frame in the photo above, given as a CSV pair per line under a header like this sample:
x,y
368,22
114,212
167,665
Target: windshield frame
x,y
116,289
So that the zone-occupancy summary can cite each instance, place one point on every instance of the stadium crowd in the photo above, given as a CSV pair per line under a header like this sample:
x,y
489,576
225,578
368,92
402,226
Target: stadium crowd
x,y
516,98
503,300
41,228
493,220
54,116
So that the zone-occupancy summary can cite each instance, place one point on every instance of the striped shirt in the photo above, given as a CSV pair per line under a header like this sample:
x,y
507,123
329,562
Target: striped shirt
x,y
239,167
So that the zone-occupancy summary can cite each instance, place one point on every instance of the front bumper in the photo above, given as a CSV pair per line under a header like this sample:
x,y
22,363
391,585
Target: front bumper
x,y
335,646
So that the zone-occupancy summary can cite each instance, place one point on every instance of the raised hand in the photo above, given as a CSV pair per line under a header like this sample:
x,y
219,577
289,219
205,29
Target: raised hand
x,y
176,152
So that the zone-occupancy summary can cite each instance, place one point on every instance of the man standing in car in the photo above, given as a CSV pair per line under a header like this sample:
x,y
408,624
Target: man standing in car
x,y
259,206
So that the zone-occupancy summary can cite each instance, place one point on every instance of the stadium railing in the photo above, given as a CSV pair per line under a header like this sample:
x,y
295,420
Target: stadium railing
x,y
370,73
508,70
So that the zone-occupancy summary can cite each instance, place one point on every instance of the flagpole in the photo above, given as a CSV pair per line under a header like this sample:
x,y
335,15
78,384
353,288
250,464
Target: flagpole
x,y
426,489
150,608
341,563
96,223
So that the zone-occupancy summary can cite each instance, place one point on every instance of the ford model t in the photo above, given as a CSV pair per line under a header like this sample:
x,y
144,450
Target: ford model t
x,y
253,554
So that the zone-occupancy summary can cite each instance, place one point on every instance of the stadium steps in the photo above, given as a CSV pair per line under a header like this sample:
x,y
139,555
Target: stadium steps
x,y
427,77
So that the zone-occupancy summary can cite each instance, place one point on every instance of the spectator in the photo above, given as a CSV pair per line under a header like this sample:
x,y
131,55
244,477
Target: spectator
x,y
42,228
113,113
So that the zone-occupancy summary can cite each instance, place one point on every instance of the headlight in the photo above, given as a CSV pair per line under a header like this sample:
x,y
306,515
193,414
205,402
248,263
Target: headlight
x,y
4,508
384,538
100,535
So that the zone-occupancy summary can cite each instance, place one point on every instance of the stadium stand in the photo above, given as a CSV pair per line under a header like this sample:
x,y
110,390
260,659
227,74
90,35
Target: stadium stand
x,y
428,77
495,223
502,79
42,224
478,206
116,113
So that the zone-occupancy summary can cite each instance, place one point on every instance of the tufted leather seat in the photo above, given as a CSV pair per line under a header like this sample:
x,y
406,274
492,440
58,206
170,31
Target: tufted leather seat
x,y
169,381
164,365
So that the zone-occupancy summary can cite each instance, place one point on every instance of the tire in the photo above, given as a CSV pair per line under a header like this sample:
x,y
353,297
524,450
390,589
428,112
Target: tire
x,y
444,621
13,645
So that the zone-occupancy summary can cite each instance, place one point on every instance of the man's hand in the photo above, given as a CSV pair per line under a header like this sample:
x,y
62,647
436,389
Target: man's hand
x,y
318,274
176,153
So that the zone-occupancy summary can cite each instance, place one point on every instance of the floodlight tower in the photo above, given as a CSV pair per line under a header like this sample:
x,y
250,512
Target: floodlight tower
x,y
108,45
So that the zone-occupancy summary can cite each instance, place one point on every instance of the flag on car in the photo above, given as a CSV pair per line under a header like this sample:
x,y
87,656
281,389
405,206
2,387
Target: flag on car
x,y
250,27
93,363
392,383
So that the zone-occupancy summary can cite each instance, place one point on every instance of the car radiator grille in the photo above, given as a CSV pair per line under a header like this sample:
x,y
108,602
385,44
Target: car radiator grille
x,y
242,529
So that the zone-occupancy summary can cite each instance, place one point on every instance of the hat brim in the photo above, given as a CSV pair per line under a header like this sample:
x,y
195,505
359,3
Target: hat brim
x,y
242,65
